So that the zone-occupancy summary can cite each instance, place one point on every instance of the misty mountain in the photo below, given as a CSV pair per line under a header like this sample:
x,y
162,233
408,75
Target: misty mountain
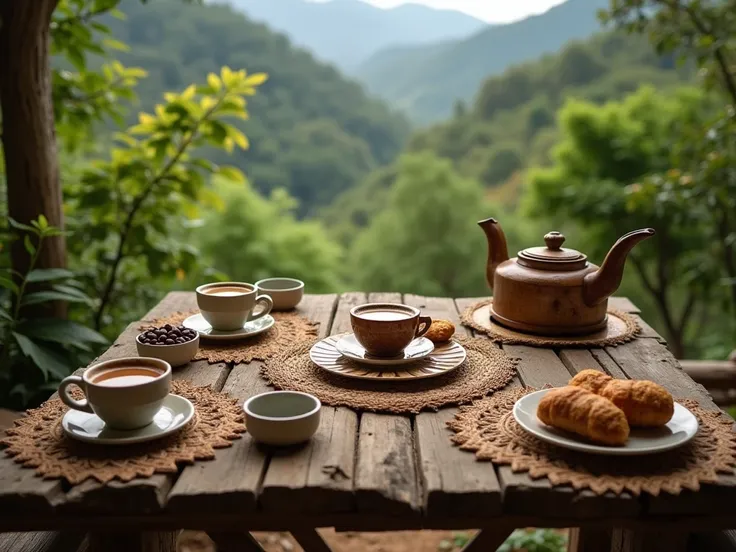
x,y
348,32
427,81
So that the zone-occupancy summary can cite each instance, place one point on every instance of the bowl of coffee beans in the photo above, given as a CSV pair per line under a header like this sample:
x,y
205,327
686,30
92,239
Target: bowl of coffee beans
x,y
176,345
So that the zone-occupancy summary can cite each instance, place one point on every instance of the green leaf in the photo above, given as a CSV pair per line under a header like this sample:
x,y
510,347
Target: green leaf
x,y
46,274
46,296
19,226
29,245
7,283
71,291
47,360
61,331
232,174
43,223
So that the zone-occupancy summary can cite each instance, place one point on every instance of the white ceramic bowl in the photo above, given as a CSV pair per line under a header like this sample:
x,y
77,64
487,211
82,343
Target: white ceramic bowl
x,y
285,292
282,418
176,355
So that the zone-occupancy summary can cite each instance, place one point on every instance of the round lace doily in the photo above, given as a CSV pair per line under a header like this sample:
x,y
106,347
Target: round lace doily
x,y
290,328
485,369
488,428
622,327
37,441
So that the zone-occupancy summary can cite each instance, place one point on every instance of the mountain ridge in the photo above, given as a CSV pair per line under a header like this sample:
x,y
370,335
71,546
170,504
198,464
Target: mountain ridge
x,y
347,32
427,82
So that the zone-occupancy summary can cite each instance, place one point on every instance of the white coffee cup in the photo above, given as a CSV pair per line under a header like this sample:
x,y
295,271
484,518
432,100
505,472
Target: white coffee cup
x,y
126,393
227,306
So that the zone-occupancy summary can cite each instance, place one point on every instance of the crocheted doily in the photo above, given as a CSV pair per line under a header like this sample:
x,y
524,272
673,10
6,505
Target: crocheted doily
x,y
488,428
37,441
485,369
290,328
622,327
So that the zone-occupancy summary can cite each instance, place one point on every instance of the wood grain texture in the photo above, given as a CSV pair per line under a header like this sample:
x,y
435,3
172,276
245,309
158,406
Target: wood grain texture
x,y
649,359
452,481
318,476
523,495
310,540
235,542
41,542
386,473
623,304
131,542
142,495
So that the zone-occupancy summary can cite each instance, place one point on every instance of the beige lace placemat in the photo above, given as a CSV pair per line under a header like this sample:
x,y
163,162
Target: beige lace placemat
x,y
37,441
488,428
485,369
290,328
622,327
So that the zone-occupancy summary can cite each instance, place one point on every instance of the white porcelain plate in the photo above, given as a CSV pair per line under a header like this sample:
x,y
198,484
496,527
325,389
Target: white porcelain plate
x,y
254,327
444,359
679,430
418,349
173,416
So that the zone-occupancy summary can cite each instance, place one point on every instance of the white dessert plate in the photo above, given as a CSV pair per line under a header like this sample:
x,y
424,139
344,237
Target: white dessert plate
x,y
254,327
349,346
679,430
444,359
175,413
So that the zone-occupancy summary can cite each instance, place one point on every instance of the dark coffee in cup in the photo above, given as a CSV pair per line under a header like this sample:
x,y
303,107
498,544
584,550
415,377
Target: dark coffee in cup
x,y
386,329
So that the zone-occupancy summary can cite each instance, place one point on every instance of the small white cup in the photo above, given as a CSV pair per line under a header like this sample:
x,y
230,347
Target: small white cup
x,y
231,311
282,418
285,292
120,406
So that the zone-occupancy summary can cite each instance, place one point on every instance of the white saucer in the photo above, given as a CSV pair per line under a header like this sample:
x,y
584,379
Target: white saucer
x,y
174,415
418,349
679,430
254,327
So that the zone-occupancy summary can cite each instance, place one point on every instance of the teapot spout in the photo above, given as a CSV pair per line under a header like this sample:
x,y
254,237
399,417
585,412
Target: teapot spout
x,y
601,284
497,250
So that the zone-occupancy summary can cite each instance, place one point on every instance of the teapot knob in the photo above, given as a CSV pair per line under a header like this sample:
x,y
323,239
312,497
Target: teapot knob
x,y
554,240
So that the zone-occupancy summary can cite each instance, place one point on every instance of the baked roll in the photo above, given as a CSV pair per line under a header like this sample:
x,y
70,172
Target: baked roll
x,y
582,412
645,403
440,331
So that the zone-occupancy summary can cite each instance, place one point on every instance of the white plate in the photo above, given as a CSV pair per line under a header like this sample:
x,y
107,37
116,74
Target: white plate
x,y
418,349
254,327
679,430
174,415
444,359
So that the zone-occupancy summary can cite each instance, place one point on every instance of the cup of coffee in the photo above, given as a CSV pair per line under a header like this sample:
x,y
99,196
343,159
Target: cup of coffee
x,y
227,306
126,393
386,329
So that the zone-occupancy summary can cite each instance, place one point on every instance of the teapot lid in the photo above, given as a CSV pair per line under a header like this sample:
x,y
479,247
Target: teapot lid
x,y
553,256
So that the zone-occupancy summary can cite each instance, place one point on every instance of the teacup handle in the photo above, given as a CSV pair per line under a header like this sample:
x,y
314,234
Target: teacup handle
x,y
266,302
66,398
424,323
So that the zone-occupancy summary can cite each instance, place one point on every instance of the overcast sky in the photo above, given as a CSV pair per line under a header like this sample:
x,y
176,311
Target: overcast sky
x,y
493,11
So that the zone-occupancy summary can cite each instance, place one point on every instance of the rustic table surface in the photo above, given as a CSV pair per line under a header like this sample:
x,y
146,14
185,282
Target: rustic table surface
x,y
373,472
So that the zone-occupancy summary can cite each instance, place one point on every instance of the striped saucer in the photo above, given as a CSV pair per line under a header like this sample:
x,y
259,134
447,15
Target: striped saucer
x,y
444,359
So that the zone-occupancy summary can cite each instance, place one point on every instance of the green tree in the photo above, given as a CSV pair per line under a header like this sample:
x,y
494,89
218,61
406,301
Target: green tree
x,y
425,240
249,238
703,155
604,154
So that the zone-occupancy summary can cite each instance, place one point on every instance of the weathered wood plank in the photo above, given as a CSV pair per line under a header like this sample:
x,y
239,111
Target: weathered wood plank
x,y
452,481
40,542
230,482
589,540
523,495
623,304
310,540
318,477
649,359
235,542
648,331
577,360
131,542
386,473
649,541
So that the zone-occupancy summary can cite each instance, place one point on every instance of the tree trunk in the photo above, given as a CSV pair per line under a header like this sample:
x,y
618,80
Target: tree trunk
x,y
28,132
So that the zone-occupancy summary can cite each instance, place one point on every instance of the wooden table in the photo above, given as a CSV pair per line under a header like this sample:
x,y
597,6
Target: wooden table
x,y
370,472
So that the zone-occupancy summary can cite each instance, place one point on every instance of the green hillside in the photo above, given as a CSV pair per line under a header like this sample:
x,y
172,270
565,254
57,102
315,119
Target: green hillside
x,y
512,122
311,130
426,82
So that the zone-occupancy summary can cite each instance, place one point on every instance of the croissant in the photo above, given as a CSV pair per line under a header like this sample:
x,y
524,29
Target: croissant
x,y
645,403
585,413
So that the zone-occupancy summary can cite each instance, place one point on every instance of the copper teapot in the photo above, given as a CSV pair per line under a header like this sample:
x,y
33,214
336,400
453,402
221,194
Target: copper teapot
x,y
552,290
